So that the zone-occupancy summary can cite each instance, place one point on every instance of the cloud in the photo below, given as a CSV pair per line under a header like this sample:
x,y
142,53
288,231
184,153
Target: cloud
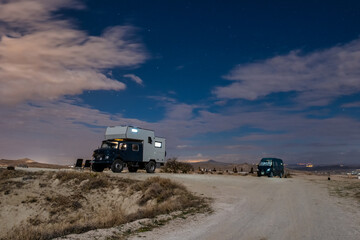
x,y
56,132
317,77
351,105
135,78
61,131
182,146
45,57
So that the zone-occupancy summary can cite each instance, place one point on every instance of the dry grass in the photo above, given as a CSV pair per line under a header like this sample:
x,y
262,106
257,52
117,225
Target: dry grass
x,y
9,174
174,166
75,202
11,179
345,189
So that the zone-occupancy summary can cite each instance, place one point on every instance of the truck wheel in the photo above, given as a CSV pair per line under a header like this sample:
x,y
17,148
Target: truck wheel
x,y
280,175
97,168
132,169
150,167
271,174
117,166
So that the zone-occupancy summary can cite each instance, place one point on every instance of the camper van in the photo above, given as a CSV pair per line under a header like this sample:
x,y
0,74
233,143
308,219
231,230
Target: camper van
x,y
134,147
271,167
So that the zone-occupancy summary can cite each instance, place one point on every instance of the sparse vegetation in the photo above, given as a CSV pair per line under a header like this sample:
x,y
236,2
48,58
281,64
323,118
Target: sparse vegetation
x,y
6,174
75,202
174,166
345,189
287,174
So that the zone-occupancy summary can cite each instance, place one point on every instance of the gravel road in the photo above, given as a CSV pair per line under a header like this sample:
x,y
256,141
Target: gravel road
x,y
262,209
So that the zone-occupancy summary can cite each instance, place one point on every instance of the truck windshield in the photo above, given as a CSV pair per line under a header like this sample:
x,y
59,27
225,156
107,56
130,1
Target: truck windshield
x,y
113,145
265,163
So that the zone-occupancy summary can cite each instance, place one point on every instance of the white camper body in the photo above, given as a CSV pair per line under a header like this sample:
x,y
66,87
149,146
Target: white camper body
x,y
153,147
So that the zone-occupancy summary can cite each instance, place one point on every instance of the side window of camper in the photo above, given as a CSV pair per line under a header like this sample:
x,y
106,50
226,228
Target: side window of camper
x,y
158,144
149,140
135,147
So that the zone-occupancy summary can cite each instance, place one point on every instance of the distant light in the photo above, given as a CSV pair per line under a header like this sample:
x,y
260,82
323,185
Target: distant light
x,y
134,130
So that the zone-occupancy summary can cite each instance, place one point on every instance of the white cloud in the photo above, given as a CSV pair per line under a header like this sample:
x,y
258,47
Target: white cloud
x,y
45,57
351,105
318,77
182,146
56,132
61,131
135,78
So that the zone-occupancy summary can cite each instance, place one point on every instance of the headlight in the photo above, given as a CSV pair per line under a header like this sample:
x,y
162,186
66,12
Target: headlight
x,y
106,157
268,170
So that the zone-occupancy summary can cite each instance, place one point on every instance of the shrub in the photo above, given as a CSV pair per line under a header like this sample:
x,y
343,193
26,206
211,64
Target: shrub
x,y
174,166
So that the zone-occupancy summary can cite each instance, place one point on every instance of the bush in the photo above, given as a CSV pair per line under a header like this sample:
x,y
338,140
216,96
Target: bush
x,y
174,166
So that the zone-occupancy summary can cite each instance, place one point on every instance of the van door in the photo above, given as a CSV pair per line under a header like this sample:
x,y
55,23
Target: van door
x,y
275,167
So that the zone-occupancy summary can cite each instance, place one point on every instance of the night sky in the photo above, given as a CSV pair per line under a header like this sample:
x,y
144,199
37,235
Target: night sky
x,y
232,81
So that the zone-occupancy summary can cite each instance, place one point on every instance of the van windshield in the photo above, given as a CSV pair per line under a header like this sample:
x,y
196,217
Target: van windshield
x,y
265,163
113,145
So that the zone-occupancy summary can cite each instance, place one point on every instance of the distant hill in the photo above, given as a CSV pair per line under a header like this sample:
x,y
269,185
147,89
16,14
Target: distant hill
x,y
26,162
211,164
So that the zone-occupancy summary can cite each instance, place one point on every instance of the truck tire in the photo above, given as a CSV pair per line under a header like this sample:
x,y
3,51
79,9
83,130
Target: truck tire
x,y
132,169
281,175
150,167
117,166
271,174
97,167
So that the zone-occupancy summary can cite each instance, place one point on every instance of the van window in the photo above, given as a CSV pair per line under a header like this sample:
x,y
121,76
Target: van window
x,y
135,147
265,163
158,144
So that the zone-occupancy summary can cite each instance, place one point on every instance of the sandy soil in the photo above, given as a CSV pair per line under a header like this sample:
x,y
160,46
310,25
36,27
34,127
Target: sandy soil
x,y
49,204
262,208
247,207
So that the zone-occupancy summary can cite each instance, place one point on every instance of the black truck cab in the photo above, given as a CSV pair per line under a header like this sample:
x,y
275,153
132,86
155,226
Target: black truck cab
x,y
113,150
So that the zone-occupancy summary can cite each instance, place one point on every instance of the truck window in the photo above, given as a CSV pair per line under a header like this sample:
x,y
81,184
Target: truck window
x,y
135,147
122,146
109,144
158,144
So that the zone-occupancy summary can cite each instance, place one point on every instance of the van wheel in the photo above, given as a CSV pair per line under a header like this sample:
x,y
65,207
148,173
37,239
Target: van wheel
x,y
97,168
132,169
271,174
150,167
117,166
281,175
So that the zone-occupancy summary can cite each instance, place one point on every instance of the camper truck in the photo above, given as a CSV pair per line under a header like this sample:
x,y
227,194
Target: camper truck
x,y
134,147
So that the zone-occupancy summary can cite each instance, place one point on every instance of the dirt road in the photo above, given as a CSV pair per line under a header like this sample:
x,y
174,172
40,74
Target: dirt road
x,y
261,208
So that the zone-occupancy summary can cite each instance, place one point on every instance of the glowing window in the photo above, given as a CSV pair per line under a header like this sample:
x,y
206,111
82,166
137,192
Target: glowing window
x,y
122,146
158,144
134,130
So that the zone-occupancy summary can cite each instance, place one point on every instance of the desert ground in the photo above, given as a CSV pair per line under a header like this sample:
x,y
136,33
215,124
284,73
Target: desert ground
x,y
302,207
248,207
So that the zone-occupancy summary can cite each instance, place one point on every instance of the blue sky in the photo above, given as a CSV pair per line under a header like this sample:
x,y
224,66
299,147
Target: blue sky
x,y
232,81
